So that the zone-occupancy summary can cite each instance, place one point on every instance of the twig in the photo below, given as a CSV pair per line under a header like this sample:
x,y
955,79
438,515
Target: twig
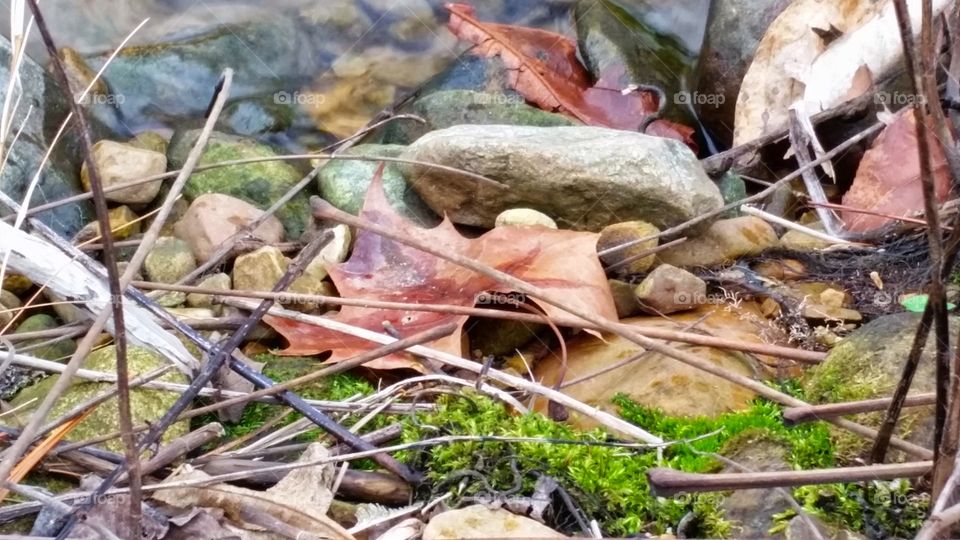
x,y
113,277
935,313
789,353
325,210
810,413
667,233
666,482
290,157
800,141
766,216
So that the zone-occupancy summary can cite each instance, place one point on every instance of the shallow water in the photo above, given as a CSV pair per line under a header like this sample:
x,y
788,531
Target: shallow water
x,y
404,42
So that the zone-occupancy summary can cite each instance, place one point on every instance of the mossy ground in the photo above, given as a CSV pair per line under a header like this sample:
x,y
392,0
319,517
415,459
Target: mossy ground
x,y
609,483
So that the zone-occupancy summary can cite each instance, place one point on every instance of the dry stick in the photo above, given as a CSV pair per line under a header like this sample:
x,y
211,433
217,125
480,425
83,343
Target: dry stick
x,y
291,157
935,311
753,198
810,413
646,253
666,482
800,142
789,353
113,276
324,210
426,336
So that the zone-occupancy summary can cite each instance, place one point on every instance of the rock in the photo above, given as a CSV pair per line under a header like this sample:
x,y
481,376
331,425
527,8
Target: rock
x,y
213,218
478,521
798,241
79,75
270,51
119,163
8,301
344,183
56,351
753,510
657,381
734,189
147,406
446,108
625,298
151,140
259,270
220,282
725,241
260,184
584,177
800,528
16,283
257,116
124,223
66,311
733,33
524,217
334,252
669,289
621,233
831,313
499,337
612,40
169,260
867,364
60,178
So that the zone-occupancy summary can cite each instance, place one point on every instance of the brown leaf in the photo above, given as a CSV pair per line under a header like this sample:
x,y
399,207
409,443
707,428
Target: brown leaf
x,y
545,70
888,178
561,262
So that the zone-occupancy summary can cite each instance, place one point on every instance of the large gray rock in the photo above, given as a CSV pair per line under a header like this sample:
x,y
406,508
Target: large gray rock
x,y
584,177
60,177
733,33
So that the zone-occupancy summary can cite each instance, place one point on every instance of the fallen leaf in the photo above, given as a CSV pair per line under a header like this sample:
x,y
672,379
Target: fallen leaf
x,y
564,263
794,63
888,178
297,503
545,70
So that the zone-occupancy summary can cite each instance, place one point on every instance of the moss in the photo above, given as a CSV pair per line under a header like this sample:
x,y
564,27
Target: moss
x,y
609,483
280,369
146,405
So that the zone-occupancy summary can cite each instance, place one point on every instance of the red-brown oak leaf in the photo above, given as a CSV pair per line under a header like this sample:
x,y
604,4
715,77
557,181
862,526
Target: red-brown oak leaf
x,y
563,263
544,69
888,177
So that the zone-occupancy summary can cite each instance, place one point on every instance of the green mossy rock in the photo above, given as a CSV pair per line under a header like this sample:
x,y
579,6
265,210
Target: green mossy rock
x,y
54,351
147,405
868,364
260,184
344,183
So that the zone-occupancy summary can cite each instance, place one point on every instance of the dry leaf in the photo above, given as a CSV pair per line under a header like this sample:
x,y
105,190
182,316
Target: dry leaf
x,y
545,70
888,178
564,263
298,503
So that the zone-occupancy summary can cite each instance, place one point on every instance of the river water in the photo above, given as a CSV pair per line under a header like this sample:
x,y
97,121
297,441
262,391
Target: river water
x,y
402,42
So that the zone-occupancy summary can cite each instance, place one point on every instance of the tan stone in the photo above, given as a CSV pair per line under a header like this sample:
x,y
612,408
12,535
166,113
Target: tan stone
x,y
725,241
478,521
118,163
621,233
213,218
